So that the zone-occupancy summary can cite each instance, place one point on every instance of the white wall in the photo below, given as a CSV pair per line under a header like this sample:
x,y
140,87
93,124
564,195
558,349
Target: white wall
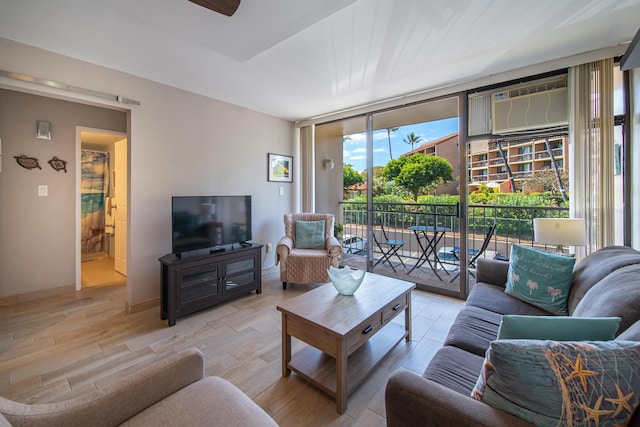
x,y
329,182
180,144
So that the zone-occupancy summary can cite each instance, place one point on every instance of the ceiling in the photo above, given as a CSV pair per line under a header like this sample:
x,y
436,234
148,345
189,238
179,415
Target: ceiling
x,y
297,59
100,139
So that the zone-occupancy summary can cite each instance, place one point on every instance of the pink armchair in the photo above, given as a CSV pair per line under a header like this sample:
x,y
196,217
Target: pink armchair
x,y
303,266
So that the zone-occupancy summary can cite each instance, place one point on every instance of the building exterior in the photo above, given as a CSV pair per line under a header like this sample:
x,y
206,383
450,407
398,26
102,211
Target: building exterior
x,y
506,163
500,163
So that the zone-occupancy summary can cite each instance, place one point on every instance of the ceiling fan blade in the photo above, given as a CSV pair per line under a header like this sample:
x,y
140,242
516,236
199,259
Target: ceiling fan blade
x,y
226,7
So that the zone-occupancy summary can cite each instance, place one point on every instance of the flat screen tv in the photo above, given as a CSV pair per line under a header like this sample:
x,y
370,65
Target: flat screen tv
x,y
200,222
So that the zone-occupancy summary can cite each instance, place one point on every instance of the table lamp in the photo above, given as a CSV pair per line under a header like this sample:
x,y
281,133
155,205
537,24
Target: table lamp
x,y
560,232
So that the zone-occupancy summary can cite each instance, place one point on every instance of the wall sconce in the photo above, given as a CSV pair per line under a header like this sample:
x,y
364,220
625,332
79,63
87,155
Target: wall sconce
x,y
560,232
328,164
43,130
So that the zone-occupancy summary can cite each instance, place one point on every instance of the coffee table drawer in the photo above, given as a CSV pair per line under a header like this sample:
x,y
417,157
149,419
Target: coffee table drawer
x,y
363,332
312,336
392,309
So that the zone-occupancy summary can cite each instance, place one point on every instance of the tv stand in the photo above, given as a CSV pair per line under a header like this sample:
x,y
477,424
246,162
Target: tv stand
x,y
192,284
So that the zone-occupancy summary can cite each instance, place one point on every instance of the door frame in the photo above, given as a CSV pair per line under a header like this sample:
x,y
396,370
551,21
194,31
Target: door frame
x,y
78,202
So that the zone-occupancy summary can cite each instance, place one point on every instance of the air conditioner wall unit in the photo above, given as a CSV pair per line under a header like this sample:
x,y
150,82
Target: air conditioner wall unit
x,y
531,107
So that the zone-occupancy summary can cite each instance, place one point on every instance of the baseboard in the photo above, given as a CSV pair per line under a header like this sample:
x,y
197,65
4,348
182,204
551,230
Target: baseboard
x,y
36,295
142,306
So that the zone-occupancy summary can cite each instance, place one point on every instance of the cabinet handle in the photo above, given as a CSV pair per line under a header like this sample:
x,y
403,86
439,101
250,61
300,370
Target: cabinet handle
x,y
367,330
397,307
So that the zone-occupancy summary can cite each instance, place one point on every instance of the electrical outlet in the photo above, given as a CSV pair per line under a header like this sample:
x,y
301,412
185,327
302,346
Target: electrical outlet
x,y
269,247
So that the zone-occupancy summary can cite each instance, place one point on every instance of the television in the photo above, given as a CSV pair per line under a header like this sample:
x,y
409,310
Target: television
x,y
201,222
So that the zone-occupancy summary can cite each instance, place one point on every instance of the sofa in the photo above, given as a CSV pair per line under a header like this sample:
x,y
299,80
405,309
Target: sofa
x,y
170,392
604,284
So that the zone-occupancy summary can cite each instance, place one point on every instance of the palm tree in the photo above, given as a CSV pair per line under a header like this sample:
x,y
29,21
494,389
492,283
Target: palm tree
x,y
412,138
389,130
554,292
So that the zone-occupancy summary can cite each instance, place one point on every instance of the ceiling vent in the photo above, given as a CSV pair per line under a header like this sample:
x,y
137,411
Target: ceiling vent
x,y
538,106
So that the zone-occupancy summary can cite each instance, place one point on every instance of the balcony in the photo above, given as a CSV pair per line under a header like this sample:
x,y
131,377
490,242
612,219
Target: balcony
x,y
503,176
557,153
522,174
514,224
479,164
521,158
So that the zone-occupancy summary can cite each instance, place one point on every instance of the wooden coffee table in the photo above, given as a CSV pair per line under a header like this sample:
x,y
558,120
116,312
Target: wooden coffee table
x,y
348,336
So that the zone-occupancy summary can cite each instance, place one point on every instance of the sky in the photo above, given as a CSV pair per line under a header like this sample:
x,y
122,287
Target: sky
x,y
354,149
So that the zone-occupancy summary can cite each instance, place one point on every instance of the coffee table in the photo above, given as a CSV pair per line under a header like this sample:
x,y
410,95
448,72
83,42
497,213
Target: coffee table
x,y
348,336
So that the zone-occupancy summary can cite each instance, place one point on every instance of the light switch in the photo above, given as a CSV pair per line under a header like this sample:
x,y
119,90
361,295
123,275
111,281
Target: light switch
x,y
282,191
43,190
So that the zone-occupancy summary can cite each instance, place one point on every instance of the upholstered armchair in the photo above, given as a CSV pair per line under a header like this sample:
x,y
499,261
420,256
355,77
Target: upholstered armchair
x,y
307,249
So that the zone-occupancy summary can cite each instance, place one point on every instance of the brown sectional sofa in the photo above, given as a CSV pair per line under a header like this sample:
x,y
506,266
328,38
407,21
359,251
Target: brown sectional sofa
x,y
171,392
606,283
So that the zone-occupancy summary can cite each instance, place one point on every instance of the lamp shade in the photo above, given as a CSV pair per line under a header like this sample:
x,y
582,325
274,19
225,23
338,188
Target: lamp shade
x,y
560,231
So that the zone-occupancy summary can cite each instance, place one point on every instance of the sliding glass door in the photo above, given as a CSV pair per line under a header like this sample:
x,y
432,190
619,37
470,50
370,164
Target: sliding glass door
x,y
399,172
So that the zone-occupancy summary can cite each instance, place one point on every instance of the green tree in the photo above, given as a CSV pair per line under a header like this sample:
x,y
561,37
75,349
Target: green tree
x,y
350,176
412,139
418,173
547,180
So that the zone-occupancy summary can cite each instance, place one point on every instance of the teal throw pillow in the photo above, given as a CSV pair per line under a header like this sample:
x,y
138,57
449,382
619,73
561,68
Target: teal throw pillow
x,y
551,383
558,328
540,278
310,235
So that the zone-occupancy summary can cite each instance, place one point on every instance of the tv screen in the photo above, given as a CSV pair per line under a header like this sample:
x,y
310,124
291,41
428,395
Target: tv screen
x,y
200,222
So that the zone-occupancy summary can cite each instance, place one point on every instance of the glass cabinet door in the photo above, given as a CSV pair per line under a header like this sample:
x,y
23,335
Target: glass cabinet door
x,y
239,273
198,282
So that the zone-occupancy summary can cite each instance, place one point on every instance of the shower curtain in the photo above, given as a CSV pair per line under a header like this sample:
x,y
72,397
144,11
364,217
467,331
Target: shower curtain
x,y
94,186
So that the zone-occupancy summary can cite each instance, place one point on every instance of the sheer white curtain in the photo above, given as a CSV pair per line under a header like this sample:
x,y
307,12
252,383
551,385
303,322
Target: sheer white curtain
x,y
307,170
635,157
592,152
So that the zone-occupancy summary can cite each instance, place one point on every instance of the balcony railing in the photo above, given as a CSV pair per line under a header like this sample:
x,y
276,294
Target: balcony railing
x,y
514,224
479,164
557,153
521,158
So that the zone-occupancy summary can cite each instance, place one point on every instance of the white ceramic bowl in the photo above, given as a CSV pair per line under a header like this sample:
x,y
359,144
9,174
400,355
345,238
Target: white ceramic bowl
x,y
346,280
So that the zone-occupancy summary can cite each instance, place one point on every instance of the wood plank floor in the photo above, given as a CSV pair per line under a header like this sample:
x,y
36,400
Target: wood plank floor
x,y
55,348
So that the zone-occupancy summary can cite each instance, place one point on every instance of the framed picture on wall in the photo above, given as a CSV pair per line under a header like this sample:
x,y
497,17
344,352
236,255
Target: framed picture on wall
x,y
280,168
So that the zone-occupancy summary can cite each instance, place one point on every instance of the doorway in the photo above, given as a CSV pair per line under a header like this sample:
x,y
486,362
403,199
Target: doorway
x,y
102,189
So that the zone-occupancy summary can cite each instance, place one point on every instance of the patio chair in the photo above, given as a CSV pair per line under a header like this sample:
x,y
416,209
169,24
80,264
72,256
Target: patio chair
x,y
474,253
389,248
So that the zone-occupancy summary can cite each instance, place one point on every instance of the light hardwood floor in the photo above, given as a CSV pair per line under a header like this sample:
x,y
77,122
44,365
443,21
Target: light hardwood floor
x,y
55,348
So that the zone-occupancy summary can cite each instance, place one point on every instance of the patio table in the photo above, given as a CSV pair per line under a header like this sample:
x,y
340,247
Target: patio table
x,y
428,237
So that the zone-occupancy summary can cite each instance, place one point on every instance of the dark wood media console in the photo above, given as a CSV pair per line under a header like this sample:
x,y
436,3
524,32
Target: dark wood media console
x,y
194,283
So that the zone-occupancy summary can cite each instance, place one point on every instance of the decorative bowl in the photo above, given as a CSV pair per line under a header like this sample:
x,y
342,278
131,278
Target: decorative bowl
x,y
346,280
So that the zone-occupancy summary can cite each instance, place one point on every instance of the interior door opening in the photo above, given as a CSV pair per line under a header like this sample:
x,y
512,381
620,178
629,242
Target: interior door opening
x,y
102,208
